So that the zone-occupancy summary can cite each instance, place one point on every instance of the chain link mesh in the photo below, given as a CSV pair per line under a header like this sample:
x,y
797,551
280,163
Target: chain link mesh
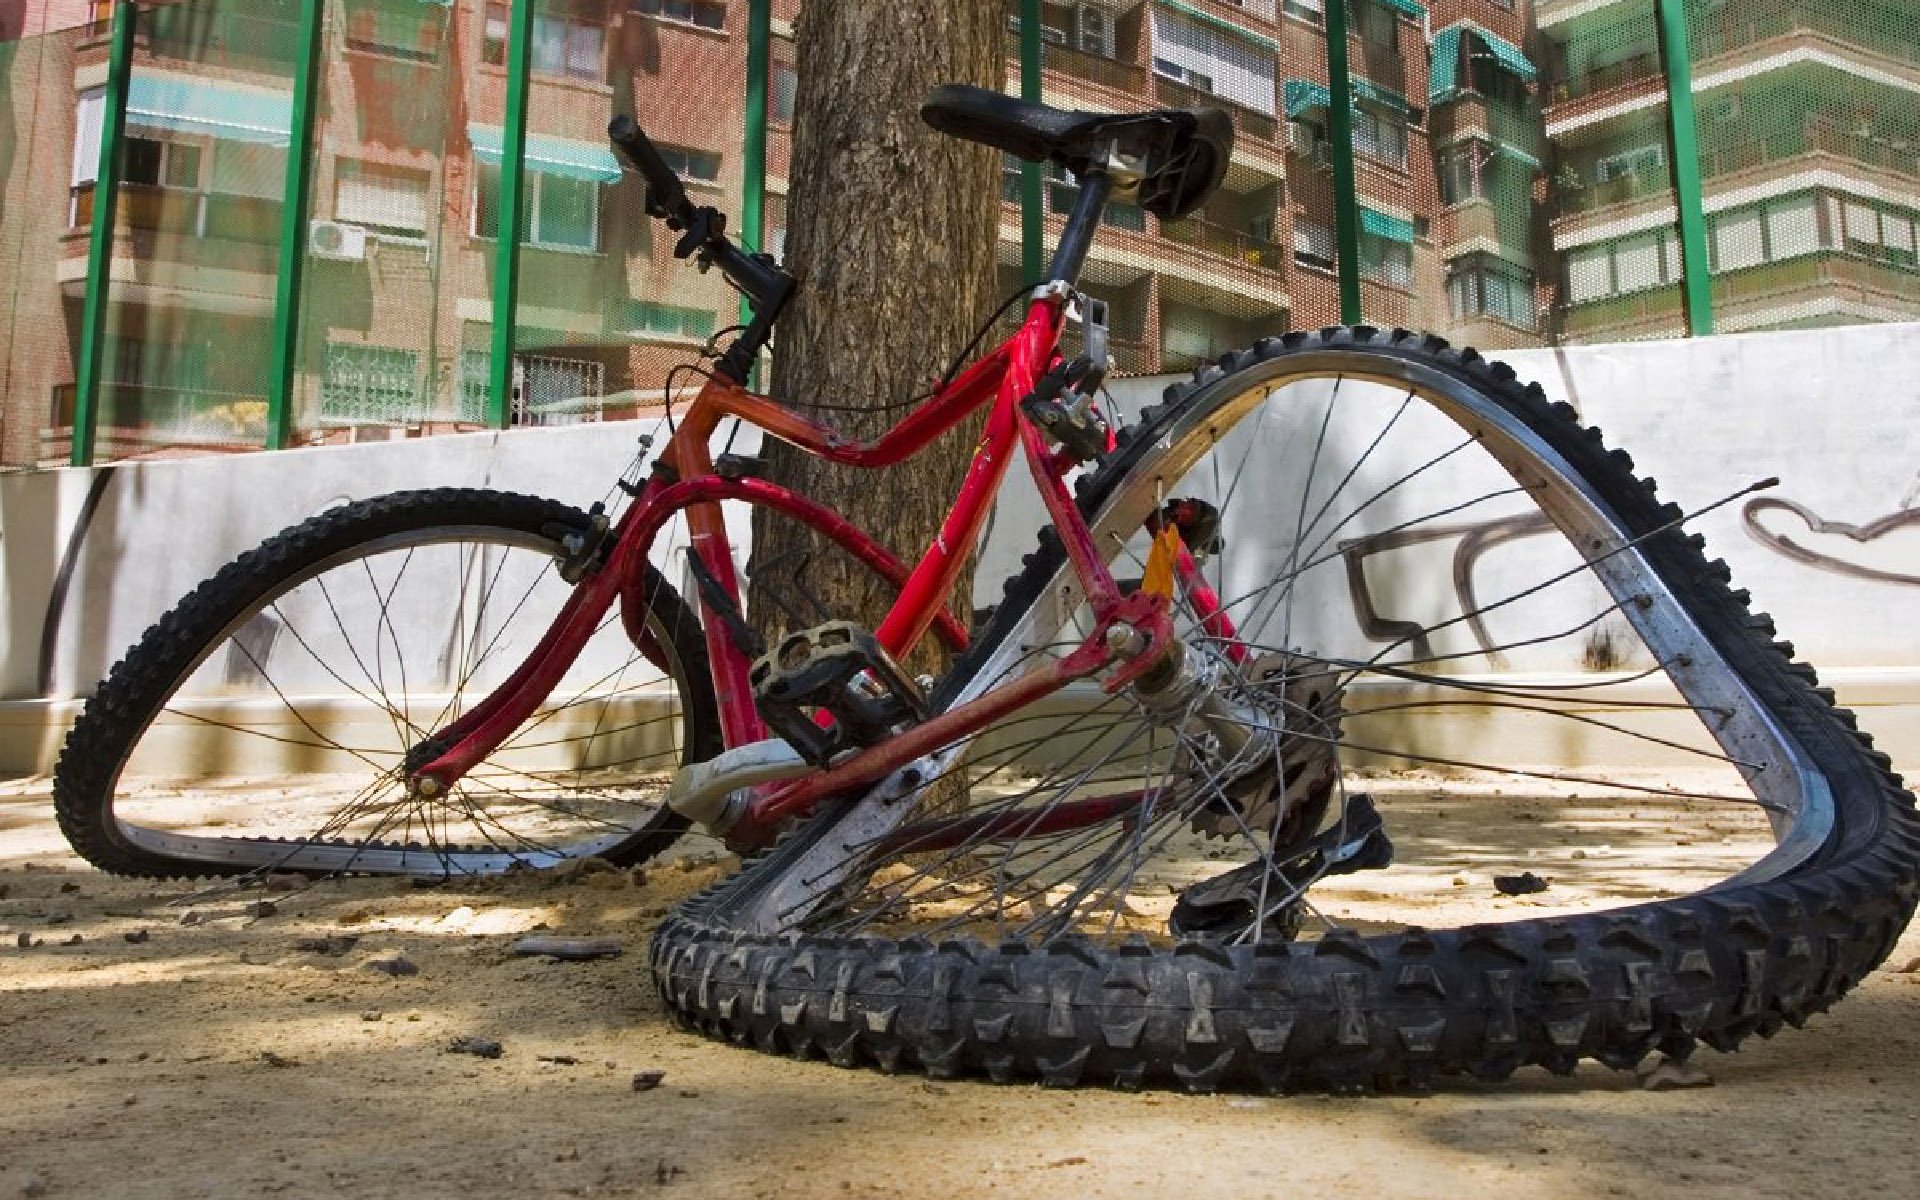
x,y
1514,187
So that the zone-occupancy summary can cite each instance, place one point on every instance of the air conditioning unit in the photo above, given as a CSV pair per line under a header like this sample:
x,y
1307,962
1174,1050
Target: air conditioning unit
x,y
343,243
1299,139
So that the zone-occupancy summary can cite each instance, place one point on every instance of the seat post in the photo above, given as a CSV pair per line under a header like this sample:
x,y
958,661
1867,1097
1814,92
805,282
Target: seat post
x,y
1082,223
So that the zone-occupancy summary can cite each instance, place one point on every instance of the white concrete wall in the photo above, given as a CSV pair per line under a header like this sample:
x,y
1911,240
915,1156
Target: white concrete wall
x,y
1834,552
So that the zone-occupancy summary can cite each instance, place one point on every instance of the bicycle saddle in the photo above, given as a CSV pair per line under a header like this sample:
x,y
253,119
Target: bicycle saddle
x,y
1183,152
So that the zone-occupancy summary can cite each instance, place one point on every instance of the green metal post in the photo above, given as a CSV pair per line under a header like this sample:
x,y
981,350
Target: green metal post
x,y
297,200
1032,199
753,205
1683,151
1346,200
513,207
106,203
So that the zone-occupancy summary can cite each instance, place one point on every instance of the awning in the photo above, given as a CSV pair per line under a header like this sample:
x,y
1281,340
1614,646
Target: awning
x,y
1304,95
1445,76
1221,23
1507,55
548,155
1367,90
174,104
1381,225
1416,11
1518,155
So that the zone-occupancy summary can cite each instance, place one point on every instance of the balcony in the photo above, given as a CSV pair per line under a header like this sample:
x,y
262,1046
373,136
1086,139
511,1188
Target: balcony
x,y
1816,136
233,36
1227,243
1505,123
1755,294
1621,189
1171,93
1641,68
1735,28
1092,68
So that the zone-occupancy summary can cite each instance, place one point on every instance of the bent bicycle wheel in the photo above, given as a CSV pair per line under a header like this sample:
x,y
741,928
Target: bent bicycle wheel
x,y
265,722
1445,596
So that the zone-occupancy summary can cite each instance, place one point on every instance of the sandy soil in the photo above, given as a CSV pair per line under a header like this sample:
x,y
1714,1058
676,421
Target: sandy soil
x,y
188,1044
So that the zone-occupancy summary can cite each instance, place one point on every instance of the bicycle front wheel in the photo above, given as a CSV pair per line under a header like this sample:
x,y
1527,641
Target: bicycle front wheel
x,y
1439,602
264,723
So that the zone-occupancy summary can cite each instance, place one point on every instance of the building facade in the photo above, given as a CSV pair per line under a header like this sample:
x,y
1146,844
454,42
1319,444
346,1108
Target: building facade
x,y
1512,178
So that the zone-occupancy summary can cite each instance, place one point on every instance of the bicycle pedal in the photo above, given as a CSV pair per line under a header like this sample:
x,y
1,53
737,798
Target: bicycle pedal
x,y
841,671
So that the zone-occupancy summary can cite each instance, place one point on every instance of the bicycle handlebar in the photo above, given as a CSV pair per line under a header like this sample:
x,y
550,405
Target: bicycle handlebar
x,y
666,195
703,236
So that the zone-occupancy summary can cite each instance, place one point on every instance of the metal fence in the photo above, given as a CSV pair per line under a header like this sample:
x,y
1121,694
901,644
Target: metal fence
x,y
235,224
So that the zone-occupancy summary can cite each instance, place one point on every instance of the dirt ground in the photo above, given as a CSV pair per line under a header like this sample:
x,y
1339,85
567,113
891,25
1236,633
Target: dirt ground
x,y
193,1044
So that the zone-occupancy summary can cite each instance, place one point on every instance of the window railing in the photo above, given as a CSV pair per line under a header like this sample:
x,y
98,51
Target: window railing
x,y
191,414
1227,243
1815,136
1638,69
1588,197
1737,27
1084,64
1171,93
225,36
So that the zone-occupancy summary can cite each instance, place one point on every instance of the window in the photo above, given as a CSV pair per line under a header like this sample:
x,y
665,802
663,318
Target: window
x,y
1872,230
692,164
1313,12
1385,260
1380,134
1197,80
556,391
1312,244
783,84
1480,285
411,33
149,163
707,14
369,385
1643,160
1213,60
565,45
1459,167
1375,24
1063,191
1630,264
646,317
562,213
389,199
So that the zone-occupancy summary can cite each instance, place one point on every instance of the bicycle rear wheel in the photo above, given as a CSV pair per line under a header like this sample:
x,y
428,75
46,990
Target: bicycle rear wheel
x,y
263,723
1145,891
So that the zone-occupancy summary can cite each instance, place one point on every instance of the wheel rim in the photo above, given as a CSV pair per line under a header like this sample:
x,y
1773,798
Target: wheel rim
x,y
1037,888
280,746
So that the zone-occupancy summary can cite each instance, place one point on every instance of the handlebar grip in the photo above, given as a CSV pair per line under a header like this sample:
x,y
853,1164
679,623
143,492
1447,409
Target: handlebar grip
x,y
666,196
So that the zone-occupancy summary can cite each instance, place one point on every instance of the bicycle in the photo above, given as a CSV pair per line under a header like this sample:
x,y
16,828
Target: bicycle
x,y
1142,701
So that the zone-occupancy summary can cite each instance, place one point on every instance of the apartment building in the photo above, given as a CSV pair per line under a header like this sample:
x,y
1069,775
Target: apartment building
x,y
1808,119
397,301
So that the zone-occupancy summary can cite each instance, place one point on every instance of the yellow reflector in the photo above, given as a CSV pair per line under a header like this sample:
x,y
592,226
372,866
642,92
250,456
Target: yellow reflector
x,y
1166,550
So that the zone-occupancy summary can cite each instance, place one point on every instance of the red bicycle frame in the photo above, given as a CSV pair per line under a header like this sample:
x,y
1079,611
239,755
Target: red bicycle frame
x,y
1003,378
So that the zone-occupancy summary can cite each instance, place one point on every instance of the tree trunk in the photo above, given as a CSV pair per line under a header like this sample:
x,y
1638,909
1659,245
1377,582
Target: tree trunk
x,y
891,234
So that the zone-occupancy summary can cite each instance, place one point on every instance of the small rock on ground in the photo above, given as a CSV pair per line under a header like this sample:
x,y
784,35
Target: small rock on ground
x,y
1524,884
1671,1073
646,1081
393,964
479,1047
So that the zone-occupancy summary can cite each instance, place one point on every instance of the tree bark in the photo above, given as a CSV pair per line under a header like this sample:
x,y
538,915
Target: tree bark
x,y
891,234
